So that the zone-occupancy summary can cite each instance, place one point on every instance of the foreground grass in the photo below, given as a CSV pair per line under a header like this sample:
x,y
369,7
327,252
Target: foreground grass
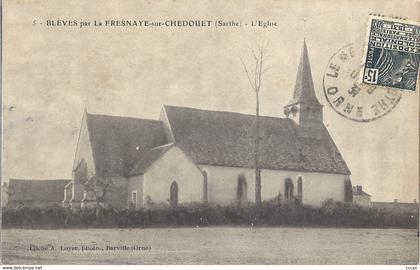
x,y
215,245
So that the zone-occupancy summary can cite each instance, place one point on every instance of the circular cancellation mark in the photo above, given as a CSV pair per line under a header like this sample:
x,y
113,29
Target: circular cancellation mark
x,y
348,97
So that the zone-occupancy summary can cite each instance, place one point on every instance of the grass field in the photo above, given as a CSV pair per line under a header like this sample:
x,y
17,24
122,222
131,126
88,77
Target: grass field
x,y
213,245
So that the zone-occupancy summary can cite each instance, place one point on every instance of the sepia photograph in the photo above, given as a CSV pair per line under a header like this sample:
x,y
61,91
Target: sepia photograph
x,y
210,132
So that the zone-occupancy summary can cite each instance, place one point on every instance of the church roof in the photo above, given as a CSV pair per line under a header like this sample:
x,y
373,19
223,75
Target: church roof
x,y
226,139
119,142
122,145
304,87
149,158
36,190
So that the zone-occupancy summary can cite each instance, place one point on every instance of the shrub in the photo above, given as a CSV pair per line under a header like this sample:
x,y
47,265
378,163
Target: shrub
x,y
270,213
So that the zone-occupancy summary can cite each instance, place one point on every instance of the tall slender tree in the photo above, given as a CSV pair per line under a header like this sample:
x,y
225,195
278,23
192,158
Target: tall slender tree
x,y
255,77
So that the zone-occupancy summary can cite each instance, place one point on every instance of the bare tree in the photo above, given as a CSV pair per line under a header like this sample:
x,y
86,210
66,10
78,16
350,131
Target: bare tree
x,y
99,186
255,77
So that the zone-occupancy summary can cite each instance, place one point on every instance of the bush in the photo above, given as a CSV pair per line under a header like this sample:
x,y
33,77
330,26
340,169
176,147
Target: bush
x,y
270,213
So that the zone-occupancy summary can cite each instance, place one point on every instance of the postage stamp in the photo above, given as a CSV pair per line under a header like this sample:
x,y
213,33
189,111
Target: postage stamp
x,y
392,54
347,96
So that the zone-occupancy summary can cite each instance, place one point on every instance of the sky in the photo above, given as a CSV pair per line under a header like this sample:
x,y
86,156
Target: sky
x,y
50,74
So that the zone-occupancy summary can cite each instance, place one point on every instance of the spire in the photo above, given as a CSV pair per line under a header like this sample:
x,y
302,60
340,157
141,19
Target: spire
x,y
304,87
305,108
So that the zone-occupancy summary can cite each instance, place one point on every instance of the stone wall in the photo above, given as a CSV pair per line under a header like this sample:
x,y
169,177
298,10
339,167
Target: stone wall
x,y
135,184
317,187
174,165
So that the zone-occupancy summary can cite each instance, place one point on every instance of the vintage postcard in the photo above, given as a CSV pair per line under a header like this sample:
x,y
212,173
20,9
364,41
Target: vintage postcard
x,y
392,54
210,133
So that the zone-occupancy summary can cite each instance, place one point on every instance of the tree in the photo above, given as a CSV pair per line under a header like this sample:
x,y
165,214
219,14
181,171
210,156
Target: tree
x,y
99,186
255,77
348,190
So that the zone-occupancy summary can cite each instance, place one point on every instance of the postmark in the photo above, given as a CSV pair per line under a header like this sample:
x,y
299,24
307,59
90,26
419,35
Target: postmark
x,y
392,54
350,98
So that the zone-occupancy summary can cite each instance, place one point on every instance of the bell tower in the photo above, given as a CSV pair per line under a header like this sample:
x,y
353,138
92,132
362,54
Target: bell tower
x,y
305,108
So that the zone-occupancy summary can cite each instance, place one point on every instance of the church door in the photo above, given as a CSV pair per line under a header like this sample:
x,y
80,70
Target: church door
x,y
174,194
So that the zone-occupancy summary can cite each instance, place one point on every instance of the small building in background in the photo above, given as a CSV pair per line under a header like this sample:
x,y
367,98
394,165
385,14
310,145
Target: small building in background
x,y
37,193
360,197
398,206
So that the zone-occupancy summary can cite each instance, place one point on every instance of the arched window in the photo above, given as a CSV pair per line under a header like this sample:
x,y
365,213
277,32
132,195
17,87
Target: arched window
x,y
205,192
242,189
300,189
288,189
174,194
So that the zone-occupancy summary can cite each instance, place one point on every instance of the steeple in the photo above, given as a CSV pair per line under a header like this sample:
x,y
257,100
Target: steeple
x,y
304,86
304,108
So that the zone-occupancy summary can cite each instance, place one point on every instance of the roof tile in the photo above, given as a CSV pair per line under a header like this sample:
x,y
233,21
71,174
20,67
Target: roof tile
x,y
227,139
119,142
149,158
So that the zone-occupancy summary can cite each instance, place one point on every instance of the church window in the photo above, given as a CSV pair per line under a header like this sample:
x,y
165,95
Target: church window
x,y
134,198
288,189
294,110
242,189
300,189
174,194
287,112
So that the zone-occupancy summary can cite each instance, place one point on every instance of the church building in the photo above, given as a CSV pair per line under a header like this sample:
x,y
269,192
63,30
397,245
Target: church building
x,y
192,155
